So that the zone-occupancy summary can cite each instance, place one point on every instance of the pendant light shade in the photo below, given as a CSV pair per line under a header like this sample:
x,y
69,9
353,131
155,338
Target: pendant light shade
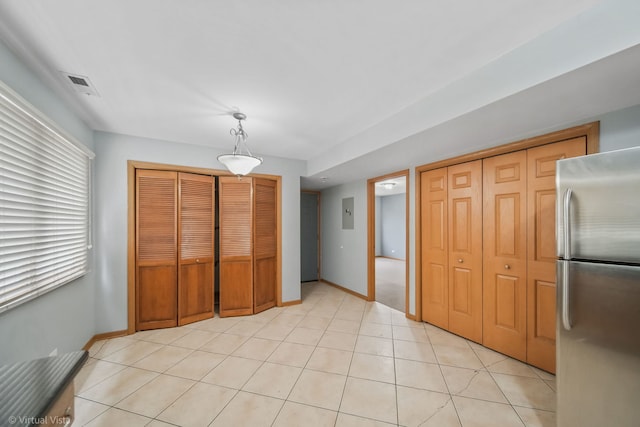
x,y
239,164
241,161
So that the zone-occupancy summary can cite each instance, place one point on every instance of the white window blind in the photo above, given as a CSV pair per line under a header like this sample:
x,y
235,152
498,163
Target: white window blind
x,y
44,203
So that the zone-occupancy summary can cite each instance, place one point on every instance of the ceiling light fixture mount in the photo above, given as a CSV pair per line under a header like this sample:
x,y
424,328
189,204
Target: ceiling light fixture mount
x,y
241,161
388,185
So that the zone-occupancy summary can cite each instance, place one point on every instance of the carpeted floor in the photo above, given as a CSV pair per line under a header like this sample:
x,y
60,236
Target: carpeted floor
x,y
390,283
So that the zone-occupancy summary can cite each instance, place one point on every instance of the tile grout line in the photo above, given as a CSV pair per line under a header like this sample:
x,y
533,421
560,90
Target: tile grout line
x,y
248,379
446,384
299,375
486,367
395,375
344,388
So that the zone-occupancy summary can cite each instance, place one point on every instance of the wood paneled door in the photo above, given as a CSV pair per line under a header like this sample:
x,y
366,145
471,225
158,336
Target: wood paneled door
x,y
541,238
499,260
505,253
265,244
174,248
156,249
236,245
195,247
465,249
435,255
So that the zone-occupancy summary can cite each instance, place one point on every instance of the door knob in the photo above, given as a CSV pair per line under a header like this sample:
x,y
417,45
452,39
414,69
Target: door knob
x,y
197,261
460,260
507,266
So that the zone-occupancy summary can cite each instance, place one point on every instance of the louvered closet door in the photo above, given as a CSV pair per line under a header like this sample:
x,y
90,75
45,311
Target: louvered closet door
x,y
236,249
541,254
505,253
435,289
265,244
465,249
156,249
195,247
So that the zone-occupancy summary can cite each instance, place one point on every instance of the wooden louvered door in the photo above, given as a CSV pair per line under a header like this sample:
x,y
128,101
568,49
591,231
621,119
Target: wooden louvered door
x,y
156,249
236,248
435,289
541,240
265,244
505,253
195,247
465,249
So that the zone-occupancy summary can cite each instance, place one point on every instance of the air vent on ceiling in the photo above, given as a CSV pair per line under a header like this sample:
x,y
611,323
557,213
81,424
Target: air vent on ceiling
x,y
78,81
80,84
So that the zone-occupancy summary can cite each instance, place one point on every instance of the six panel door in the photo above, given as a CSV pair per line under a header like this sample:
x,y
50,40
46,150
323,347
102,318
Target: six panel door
x,y
236,245
465,249
195,247
265,244
541,240
156,249
505,253
435,287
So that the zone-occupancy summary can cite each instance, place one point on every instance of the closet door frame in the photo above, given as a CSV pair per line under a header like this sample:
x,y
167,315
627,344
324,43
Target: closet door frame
x,y
132,165
589,130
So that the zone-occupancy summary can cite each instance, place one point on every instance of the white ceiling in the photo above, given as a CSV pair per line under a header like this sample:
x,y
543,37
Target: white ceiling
x,y
330,82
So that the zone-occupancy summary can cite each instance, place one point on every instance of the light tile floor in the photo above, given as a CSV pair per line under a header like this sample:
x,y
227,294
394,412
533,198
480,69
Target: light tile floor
x,y
334,360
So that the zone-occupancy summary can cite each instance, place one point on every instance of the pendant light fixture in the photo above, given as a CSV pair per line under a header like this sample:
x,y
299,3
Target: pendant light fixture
x,y
241,161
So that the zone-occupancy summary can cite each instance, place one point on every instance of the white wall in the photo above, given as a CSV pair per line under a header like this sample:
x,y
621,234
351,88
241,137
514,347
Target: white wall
x,y
61,319
393,215
620,129
112,152
344,252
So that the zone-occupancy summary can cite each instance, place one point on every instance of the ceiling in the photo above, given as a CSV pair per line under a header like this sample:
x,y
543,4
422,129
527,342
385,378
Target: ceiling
x,y
334,83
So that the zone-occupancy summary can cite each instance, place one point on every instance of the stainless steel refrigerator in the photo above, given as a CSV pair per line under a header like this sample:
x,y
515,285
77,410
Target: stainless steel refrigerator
x,y
598,304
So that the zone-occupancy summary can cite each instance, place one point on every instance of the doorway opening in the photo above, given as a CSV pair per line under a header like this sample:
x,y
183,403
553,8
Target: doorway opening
x,y
309,236
388,239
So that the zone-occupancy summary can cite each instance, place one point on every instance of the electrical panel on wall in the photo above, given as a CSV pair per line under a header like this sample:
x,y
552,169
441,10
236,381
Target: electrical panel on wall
x,y
347,213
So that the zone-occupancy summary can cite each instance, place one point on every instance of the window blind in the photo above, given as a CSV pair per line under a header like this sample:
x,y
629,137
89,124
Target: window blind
x,y
44,203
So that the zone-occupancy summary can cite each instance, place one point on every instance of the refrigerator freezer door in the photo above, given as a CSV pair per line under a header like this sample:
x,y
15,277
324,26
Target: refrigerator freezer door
x,y
604,207
598,359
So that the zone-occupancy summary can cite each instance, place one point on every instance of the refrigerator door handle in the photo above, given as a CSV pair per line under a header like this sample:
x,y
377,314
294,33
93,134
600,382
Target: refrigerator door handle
x,y
566,223
564,286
